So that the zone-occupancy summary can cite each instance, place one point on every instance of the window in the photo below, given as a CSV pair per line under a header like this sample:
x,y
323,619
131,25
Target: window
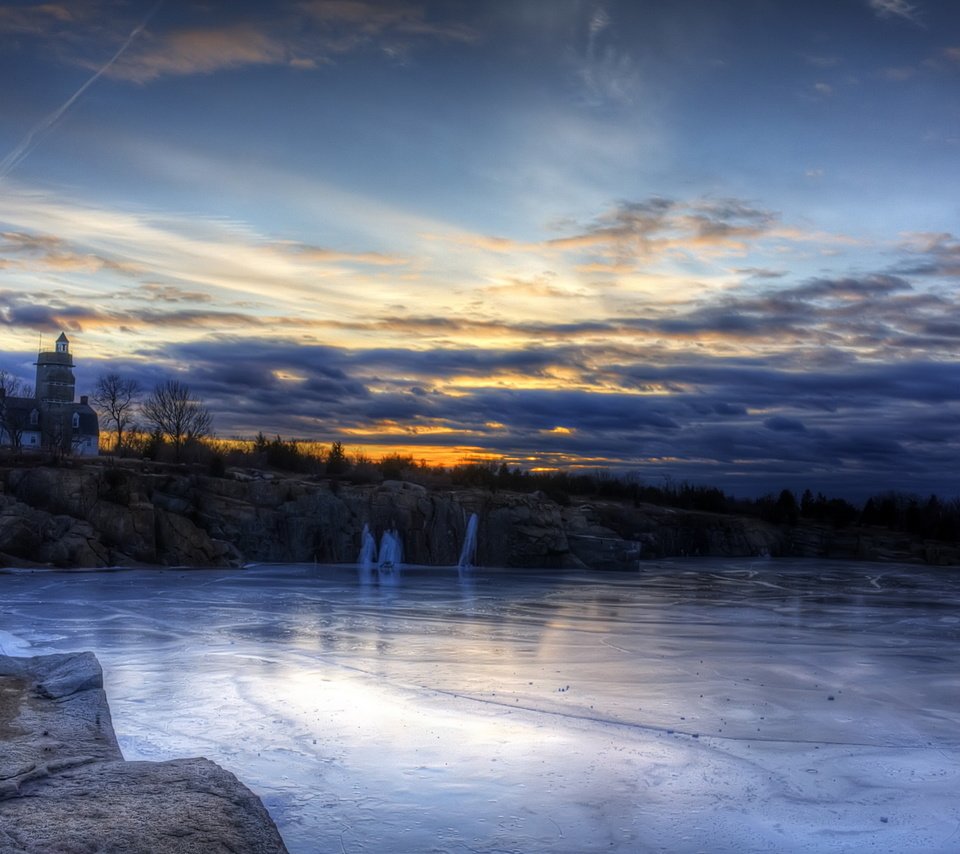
x,y
34,418
76,420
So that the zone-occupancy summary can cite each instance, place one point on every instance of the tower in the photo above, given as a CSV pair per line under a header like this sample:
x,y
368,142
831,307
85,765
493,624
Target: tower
x,y
56,384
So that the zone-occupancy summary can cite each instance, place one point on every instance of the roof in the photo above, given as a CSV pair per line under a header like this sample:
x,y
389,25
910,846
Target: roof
x,y
89,421
21,403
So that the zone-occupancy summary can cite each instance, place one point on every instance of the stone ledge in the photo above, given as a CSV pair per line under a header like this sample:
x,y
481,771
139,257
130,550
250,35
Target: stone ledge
x,y
65,787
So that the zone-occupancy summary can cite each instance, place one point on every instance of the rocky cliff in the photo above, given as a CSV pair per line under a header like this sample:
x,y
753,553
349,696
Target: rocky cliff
x,y
64,785
98,514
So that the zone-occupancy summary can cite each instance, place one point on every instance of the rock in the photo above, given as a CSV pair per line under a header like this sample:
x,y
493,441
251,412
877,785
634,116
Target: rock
x,y
524,531
182,543
432,525
19,534
65,787
615,535
121,514
130,528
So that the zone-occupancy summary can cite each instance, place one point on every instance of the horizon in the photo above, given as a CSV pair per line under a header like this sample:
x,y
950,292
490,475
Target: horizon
x,y
715,243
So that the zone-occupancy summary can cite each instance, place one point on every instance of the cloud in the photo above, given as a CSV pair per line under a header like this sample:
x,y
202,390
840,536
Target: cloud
x,y
45,251
300,35
18,310
632,236
26,145
717,420
658,226
899,72
784,425
895,9
154,292
712,382
38,18
202,51
848,288
123,260
761,273
930,254
608,73
194,253
357,21
819,61
327,256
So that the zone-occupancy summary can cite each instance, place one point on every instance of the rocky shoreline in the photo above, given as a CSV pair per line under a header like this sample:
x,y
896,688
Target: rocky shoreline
x,y
103,514
65,786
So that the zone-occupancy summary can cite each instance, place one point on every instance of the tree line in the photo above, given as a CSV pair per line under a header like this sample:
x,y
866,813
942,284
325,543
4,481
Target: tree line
x,y
170,413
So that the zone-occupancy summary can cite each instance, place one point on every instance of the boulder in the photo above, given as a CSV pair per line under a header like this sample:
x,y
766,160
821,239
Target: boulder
x,y
182,543
524,530
65,787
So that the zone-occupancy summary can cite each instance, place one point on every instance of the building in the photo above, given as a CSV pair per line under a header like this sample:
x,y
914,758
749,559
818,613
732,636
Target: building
x,y
51,420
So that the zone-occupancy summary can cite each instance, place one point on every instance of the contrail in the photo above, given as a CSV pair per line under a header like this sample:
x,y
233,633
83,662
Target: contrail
x,y
28,143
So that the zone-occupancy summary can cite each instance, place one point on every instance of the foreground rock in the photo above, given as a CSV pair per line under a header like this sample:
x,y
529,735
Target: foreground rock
x,y
65,787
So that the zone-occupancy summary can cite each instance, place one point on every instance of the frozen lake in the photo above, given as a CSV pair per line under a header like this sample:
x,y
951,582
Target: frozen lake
x,y
694,706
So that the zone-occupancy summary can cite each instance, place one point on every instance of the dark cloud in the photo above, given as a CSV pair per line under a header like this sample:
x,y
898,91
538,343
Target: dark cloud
x,y
878,311
635,230
18,310
761,273
746,425
166,293
26,249
785,425
724,218
931,255
40,18
866,287
58,312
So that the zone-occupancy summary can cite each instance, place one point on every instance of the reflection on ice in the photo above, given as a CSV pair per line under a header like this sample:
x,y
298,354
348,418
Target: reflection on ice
x,y
721,706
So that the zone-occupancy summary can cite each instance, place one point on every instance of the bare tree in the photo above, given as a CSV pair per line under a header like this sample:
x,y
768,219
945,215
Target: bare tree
x,y
174,412
117,398
13,419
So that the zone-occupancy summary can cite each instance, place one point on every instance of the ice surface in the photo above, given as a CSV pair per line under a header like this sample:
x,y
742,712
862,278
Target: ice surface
x,y
693,706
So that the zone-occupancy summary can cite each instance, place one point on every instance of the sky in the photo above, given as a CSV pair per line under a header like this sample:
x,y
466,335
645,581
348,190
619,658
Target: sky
x,y
714,241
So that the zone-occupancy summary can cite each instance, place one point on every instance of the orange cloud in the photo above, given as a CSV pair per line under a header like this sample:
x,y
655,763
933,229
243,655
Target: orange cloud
x,y
323,256
201,51
345,25
366,20
35,19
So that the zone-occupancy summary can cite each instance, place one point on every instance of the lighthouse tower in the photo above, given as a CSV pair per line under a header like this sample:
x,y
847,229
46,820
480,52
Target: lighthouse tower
x,y
56,384
50,420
